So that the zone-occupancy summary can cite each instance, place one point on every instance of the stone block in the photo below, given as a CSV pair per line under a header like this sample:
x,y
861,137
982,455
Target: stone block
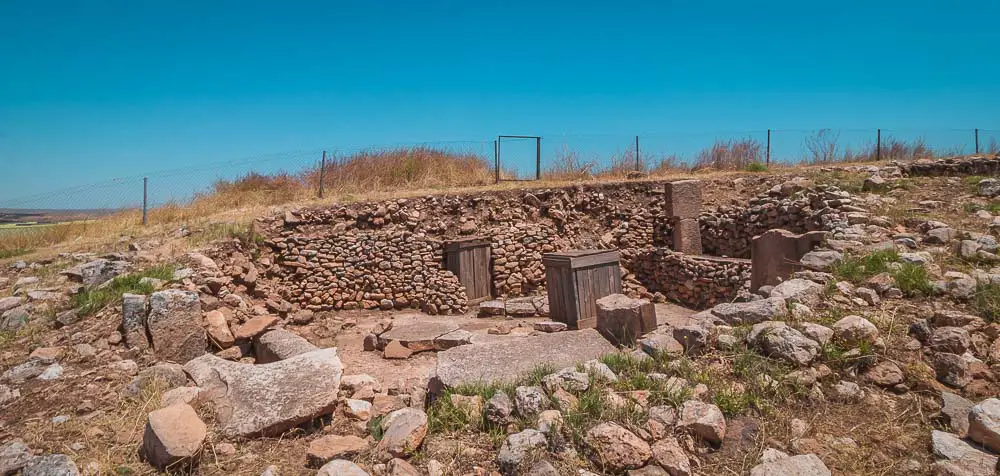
x,y
683,199
687,236
776,255
622,319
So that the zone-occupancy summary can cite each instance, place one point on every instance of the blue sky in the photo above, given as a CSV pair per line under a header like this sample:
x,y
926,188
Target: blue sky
x,y
91,90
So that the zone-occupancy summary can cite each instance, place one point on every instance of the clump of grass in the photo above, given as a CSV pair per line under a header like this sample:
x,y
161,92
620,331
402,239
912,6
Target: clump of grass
x,y
858,268
10,253
243,232
992,207
19,241
755,167
735,402
987,302
93,300
735,154
913,280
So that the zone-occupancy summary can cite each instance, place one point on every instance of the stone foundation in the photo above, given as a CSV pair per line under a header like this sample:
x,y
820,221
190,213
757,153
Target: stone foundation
x,y
697,282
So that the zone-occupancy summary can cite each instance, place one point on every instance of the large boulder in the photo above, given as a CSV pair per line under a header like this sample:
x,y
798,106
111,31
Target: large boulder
x,y
175,325
617,449
174,437
268,399
752,312
510,359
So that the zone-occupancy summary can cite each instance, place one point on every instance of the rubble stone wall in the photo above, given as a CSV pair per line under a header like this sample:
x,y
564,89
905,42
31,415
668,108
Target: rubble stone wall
x,y
953,166
698,282
389,254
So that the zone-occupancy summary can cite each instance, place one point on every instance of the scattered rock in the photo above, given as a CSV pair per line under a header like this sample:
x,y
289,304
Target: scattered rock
x,y
267,399
327,448
617,449
703,420
956,411
800,465
50,465
174,323
853,330
403,433
279,344
530,400
173,437
984,423
14,455
339,467
517,447
667,453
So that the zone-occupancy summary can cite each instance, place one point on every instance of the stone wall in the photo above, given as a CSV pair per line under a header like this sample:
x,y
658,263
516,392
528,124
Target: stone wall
x,y
698,282
389,254
980,165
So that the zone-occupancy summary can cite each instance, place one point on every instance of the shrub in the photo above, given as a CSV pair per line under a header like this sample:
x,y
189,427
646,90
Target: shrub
x,y
755,167
913,279
734,154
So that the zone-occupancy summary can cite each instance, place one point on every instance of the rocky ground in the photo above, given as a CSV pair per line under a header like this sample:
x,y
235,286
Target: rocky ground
x,y
880,358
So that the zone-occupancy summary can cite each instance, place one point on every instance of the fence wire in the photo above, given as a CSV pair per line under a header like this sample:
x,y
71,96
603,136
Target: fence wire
x,y
444,163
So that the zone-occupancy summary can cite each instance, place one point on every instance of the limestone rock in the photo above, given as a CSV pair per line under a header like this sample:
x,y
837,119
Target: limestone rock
x,y
852,330
50,465
174,324
340,467
737,313
885,374
657,343
617,449
984,423
173,437
14,454
788,344
799,465
952,369
255,327
135,308
703,420
667,453
267,399
499,408
530,400
798,290
327,448
218,329
956,411
954,340
568,379
403,433
821,260
279,344
516,448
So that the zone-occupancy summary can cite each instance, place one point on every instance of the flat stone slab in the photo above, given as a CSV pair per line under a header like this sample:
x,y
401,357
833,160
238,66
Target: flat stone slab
x,y
417,336
510,359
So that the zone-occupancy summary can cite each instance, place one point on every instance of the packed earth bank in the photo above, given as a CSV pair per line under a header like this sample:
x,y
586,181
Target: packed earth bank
x,y
334,341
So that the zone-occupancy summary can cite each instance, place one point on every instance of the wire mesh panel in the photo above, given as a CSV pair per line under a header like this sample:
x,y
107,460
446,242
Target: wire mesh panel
x,y
519,157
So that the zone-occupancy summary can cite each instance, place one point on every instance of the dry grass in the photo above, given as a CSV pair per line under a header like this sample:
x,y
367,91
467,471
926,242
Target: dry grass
x,y
736,154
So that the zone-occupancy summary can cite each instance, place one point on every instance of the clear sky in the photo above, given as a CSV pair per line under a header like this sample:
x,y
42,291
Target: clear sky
x,y
91,90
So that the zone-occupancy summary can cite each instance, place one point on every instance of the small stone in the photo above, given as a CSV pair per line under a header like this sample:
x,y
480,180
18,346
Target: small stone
x,y
173,438
327,448
799,465
984,424
339,467
530,400
703,420
517,447
550,326
616,448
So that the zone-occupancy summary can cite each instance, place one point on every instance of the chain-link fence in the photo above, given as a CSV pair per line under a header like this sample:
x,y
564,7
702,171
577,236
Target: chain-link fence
x,y
279,178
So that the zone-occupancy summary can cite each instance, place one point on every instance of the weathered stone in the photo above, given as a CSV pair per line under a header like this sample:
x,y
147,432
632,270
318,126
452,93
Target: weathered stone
x,y
403,433
799,465
682,199
703,420
509,359
568,379
218,329
254,327
623,320
617,449
853,330
357,409
50,465
788,344
954,340
802,291
687,236
14,454
817,332
279,344
340,467
657,343
821,260
516,448
173,437
499,408
10,302
396,350
174,324
162,376
984,424
667,453
846,391
520,307
267,399
327,448
134,312
530,400
543,468
96,272
956,412
550,326
694,338
885,374
418,336
776,255
491,308
952,369
399,467
752,312
185,395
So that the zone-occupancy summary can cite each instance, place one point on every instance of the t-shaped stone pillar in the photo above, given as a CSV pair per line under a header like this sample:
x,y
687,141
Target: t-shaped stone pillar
x,y
683,205
775,255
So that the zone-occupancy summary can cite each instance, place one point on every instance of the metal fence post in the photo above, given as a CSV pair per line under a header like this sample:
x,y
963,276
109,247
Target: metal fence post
x,y
322,173
538,158
878,144
977,141
638,161
145,199
496,157
768,157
